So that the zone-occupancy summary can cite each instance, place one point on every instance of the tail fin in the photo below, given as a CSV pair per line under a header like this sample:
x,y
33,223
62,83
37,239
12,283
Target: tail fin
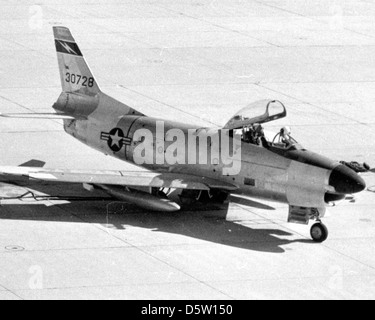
x,y
75,74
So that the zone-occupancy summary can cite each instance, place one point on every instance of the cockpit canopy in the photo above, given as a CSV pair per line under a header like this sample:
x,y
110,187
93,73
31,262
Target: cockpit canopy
x,y
249,122
257,113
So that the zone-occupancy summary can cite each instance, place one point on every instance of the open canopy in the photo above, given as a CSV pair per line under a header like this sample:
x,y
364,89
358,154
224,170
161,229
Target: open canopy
x,y
257,113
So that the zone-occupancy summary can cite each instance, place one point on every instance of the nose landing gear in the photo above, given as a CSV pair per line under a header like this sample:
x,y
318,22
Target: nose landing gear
x,y
319,232
302,215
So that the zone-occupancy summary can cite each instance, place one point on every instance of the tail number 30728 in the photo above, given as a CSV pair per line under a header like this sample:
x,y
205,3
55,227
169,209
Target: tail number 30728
x,y
79,80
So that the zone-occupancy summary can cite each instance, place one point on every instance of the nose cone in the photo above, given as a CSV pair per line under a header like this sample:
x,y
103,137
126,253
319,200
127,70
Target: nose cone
x,y
346,181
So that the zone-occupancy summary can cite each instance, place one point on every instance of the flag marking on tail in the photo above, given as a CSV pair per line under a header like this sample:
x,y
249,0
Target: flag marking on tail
x,y
68,48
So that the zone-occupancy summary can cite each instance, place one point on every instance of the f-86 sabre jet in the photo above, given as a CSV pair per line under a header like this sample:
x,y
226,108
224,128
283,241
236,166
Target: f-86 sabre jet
x,y
238,158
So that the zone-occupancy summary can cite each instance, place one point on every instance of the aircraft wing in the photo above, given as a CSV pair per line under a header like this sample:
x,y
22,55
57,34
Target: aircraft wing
x,y
119,178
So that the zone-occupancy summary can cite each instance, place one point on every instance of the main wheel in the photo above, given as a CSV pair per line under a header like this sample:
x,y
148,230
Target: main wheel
x,y
319,232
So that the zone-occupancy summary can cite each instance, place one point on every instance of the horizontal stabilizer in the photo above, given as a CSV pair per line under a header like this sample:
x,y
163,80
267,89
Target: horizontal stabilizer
x,y
33,164
47,116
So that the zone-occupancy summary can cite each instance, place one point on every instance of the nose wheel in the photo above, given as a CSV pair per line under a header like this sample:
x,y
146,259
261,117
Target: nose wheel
x,y
319,232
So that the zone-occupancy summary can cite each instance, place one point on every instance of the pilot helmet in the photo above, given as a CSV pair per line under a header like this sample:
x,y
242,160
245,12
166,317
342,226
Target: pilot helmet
x,y
287,131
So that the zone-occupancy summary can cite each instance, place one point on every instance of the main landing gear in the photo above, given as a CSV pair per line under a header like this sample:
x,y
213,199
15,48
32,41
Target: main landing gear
x,y
319,232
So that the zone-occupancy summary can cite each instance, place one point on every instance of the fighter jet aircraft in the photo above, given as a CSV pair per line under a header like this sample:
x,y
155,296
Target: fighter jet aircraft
x,y
237,159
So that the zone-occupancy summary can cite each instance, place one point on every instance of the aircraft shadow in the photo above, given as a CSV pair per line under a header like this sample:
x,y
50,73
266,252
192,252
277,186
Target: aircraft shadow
x,y
207,223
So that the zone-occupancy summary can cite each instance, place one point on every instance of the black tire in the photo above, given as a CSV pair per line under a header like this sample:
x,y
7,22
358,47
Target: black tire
x,y
319,232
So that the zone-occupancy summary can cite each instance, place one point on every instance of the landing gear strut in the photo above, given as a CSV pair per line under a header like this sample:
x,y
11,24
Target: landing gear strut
x,y
303,215
319,232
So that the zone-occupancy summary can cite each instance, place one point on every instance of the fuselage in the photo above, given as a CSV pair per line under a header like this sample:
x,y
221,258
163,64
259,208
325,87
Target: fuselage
x,y
297,177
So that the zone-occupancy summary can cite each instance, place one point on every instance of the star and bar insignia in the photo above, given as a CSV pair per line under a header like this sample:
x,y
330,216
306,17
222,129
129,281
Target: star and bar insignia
x,y
116,139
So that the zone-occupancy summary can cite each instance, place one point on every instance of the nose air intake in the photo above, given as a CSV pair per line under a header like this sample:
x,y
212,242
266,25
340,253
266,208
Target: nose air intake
x,y
346,181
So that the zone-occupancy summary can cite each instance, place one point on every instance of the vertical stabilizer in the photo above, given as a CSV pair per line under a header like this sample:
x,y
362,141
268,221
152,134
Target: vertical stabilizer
x,y
75,74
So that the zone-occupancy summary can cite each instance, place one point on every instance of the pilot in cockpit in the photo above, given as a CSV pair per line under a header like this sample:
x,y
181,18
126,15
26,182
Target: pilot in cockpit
x,y
285,136
249,135
255,135
261,137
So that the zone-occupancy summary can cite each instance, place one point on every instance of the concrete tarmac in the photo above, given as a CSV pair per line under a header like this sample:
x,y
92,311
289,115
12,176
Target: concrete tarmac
x,y
200,62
